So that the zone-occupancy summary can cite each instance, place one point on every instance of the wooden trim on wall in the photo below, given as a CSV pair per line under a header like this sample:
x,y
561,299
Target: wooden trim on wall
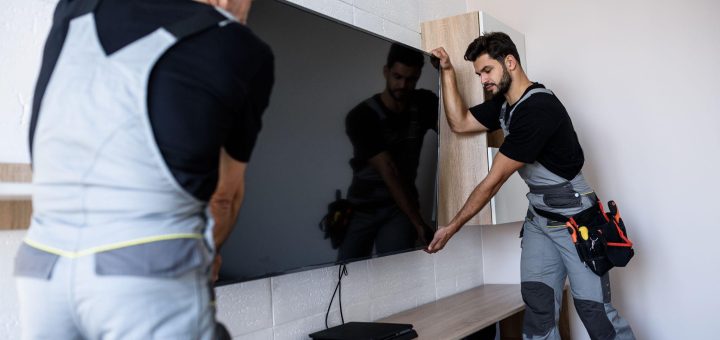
x,y
13,172
463,158
15,214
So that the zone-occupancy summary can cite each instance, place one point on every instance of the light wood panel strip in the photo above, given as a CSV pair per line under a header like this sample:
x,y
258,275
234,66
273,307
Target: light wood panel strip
x,y
15,214
463,158
11,172
462,314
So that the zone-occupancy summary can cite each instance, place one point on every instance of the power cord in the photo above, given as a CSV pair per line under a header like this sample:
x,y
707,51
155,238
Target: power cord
x,y
342,271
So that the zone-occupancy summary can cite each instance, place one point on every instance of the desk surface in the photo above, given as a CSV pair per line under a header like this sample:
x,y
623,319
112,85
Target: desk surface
x,y
464,313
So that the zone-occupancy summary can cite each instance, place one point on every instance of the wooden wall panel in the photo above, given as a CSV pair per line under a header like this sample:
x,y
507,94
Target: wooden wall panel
x,y
10,172
463,158
15,214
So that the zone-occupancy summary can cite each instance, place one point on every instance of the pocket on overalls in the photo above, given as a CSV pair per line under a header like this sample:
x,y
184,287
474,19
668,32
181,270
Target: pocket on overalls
x,y
34,263
168,258
562,200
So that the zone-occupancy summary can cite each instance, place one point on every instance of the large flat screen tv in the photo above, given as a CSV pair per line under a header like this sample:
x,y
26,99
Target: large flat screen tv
x,y
330,128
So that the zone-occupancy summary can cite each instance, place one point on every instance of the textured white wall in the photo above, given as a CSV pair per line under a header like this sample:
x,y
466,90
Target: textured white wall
x,y
9,321
283,307
22,35
639,79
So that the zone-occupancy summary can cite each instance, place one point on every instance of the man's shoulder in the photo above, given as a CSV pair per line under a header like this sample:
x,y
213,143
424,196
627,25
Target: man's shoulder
x,y
425,94
425,98
545,102
364,113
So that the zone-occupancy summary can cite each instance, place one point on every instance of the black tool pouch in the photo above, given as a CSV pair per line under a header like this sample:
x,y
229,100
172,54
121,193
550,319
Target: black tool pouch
x,y
335,223
600,238
619,246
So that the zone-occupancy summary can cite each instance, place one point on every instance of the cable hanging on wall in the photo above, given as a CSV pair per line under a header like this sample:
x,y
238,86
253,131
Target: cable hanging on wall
x,y
342,271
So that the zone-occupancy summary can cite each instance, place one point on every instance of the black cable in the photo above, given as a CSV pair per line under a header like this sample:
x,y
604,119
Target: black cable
x,y
342,271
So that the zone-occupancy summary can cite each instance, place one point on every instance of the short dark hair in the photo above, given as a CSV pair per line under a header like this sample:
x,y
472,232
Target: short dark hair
x,y
497,45
404,55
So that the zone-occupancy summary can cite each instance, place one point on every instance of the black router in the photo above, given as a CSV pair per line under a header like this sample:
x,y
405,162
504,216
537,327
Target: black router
x,y
367,331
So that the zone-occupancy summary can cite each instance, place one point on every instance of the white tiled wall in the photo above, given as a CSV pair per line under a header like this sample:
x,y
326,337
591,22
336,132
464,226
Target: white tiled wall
x,y
294,305
283,307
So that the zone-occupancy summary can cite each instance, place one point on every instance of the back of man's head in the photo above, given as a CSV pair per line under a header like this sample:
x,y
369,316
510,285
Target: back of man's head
x,y
404,55
497,45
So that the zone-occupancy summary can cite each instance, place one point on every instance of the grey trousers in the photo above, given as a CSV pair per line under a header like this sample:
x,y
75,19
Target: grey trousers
x,y
76,303
548,257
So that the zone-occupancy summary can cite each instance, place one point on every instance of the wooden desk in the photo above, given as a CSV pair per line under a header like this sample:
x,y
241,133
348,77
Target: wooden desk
x,y
464,313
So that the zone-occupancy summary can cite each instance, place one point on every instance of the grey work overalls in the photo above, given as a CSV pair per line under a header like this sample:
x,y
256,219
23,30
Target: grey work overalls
x,y
549,256
116,249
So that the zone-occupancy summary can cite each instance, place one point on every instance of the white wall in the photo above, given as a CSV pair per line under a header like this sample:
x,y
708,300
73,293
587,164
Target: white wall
x,y
22,34
284,307
639,79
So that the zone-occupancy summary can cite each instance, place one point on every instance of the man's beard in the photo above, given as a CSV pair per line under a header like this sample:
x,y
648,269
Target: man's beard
x,y
503,86
398,95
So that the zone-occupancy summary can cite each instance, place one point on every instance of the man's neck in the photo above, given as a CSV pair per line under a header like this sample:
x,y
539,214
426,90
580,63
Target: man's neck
x,y
391,103
517,88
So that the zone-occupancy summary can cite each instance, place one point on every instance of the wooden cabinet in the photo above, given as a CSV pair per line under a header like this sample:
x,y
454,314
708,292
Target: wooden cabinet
x,y
466,159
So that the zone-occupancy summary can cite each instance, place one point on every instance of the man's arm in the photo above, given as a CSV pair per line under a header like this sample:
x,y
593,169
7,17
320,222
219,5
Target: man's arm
x,y
503,167
384,164
228,196
458,116
225,203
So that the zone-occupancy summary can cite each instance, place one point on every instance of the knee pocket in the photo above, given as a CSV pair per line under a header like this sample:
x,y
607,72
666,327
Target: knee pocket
x,y
595,319
540,312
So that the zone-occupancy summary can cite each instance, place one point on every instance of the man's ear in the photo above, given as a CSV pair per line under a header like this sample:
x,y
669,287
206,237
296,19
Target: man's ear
x,y
510,62
386,71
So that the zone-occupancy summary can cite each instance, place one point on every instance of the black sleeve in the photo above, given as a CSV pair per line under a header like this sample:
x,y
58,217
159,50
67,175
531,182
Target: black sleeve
x,y
435,105
530,129
248,121
429,108
488,113
364,128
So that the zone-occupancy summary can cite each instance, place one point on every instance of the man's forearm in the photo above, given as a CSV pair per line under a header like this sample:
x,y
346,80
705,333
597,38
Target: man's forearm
x,y
400,195
225,210
479,197
384,165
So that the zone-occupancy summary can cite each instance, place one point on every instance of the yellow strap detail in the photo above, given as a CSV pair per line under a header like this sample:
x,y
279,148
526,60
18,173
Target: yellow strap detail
x,y
112,246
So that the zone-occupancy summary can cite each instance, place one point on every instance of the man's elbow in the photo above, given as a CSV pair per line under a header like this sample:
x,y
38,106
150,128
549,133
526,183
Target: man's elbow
x,y
459,128
222,202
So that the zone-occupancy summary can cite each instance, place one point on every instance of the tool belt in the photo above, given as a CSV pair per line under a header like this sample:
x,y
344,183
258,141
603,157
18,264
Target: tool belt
x,y
335,223
600,237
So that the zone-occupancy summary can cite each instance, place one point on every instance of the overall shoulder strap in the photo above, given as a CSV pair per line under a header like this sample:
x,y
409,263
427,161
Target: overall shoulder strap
x,y
522,99
199,22
375,106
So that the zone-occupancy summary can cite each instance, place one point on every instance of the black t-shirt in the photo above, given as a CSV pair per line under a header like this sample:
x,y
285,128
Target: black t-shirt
x,y
206,92
371,134
540,130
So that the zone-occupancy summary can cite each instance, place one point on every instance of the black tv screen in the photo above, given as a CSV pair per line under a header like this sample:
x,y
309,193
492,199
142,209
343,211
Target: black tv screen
x,y
330,128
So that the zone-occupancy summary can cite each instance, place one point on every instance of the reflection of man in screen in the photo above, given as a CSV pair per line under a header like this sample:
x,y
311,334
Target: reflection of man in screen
x,y
387,132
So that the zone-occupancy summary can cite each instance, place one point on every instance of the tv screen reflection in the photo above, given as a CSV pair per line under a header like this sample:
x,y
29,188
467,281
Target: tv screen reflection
x,y
345,165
